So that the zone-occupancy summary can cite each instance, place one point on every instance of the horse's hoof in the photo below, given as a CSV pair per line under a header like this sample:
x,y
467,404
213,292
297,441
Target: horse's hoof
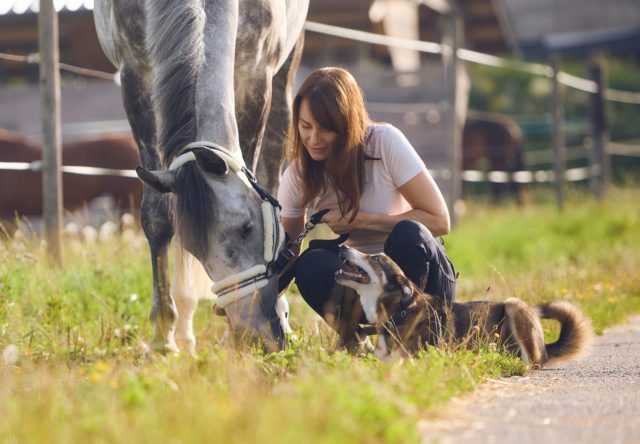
x,y
188,345
164,348
226,337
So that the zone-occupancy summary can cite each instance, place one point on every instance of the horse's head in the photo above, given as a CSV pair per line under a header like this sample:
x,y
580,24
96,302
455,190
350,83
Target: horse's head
x,y
233,229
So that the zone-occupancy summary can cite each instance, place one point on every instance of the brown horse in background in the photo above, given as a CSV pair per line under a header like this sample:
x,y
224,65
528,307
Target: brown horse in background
x,y
21,190
494,143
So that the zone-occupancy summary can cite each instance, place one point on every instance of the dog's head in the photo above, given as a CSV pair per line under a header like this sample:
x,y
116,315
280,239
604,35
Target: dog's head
x,y
382,286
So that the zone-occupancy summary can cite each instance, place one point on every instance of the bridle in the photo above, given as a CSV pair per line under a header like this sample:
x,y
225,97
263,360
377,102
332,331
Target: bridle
x,y
242,284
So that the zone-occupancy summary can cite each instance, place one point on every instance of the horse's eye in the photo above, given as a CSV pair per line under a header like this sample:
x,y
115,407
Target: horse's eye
x,y
246,229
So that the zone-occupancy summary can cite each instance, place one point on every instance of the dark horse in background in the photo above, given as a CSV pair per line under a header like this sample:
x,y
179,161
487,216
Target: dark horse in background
x,y
21,190
201,82
493,142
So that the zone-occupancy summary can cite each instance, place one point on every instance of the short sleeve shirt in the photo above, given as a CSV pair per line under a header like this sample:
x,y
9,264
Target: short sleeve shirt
x,y
398,163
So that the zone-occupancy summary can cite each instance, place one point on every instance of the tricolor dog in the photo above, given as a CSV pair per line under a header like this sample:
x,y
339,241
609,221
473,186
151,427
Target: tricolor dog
x,y
408,320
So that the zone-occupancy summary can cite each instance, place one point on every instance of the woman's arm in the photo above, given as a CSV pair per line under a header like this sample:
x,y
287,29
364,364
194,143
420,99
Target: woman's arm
x,y
293,226
425,198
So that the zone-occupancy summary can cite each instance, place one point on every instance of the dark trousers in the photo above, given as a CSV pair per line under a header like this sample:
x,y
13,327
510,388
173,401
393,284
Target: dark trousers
x,y
410,244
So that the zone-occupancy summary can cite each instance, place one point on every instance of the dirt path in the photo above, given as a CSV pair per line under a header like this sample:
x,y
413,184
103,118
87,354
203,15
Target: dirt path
x,y
594,400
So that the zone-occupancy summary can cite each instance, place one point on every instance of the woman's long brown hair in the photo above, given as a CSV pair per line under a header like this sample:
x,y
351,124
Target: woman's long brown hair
x,y
337,104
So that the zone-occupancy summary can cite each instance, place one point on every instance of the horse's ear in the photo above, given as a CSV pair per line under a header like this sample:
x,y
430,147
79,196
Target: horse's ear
x,y
162,181
210,162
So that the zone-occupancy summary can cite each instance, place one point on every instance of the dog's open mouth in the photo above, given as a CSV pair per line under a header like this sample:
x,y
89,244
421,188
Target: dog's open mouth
x,y
352,272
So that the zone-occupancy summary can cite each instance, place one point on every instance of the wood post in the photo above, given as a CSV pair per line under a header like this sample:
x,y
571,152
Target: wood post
x,y
599,162
51,138
557,114
454,133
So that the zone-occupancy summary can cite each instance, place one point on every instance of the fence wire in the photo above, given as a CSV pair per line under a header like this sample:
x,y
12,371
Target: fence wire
x,y
621,148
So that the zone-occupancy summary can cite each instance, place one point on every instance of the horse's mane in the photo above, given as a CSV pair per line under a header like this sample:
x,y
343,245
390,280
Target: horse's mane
x,y
175,42
194,205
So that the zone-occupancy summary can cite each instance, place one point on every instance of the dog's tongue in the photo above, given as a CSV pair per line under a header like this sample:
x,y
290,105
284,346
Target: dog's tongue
x,y
348,273
351,275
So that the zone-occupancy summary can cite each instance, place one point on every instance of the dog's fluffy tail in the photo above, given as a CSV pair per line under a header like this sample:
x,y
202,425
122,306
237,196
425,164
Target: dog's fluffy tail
x,y
575,331
526,330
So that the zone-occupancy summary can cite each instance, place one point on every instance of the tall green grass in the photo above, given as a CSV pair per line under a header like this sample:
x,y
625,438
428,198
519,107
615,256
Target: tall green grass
x,y
75,368
587,254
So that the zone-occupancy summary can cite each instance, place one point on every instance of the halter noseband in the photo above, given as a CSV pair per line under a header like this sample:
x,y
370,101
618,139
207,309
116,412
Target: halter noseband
x,y
244,283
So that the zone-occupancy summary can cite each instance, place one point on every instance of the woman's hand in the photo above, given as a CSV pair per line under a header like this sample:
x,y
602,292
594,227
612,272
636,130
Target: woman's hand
x,y
340,224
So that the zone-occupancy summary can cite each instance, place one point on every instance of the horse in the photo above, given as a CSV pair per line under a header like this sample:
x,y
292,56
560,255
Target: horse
x,y
201,80
21,190
494,143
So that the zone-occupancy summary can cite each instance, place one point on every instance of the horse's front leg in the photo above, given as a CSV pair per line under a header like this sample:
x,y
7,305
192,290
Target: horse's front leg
x,y
269,164
189,284
154,208
158,230
252,109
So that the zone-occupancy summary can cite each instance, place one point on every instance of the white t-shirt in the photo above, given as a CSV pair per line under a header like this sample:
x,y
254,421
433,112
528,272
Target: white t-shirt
x,y
399,162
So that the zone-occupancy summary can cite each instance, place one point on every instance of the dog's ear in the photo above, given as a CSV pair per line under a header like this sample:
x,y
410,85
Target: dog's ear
x,y
406,288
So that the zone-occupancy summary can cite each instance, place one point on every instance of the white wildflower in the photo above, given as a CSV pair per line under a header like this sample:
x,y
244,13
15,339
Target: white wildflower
x,y
89,234
10,355
107,230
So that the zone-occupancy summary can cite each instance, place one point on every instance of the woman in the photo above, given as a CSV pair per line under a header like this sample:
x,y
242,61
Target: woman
x,y
378,191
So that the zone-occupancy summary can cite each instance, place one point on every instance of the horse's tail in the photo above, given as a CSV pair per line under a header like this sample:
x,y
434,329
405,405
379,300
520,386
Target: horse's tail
x,y
575,331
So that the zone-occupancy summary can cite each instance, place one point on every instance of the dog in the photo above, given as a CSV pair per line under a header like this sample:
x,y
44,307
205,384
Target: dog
x,y
407,320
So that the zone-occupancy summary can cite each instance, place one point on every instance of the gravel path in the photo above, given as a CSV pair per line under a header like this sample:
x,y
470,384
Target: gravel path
x,y
593,400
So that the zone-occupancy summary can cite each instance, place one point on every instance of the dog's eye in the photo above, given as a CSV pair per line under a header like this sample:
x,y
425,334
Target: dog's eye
x,y
375,258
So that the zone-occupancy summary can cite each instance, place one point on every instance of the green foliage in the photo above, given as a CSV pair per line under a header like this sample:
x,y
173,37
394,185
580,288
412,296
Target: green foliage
x,y
521,240
527,98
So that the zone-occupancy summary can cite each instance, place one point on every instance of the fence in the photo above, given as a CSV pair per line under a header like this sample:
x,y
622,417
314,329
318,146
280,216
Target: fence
x,y
594,164
574,162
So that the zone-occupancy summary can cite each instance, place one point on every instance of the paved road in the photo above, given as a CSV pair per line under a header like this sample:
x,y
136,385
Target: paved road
x,y
593,400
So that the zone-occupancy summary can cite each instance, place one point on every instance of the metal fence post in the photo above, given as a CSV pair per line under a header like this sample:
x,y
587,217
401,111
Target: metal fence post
x,y
51,138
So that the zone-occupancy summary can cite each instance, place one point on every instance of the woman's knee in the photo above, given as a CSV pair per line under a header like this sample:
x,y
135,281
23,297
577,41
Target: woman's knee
x,y
406,235
316,264
314,274
422,258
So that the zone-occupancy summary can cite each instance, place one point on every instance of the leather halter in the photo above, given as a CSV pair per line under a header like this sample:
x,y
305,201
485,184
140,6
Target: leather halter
x,y
244,283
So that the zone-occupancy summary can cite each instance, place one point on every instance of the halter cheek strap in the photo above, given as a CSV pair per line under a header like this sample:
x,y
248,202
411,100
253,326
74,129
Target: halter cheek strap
x,y
239,285
244,283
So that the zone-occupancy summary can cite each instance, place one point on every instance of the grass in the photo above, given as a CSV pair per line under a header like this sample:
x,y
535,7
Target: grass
x,y
75,369
585,254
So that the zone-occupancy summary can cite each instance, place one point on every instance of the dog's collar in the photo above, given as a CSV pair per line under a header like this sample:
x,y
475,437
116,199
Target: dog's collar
x,y
401,315
404,313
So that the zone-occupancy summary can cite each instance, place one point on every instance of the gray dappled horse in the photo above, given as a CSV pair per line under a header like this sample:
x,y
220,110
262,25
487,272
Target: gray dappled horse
x,y
200,81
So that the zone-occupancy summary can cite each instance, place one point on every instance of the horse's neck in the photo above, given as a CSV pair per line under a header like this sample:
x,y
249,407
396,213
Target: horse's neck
x,y
215,99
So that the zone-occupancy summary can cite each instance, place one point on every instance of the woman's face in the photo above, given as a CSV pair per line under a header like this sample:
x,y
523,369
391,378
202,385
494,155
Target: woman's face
x,y
318,142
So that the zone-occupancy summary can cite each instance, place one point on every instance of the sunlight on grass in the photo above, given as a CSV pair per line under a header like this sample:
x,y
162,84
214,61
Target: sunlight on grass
x,y
74,367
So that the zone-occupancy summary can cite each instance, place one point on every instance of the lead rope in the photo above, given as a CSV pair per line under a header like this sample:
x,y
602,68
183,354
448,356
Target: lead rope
x,y
308,226
285,257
